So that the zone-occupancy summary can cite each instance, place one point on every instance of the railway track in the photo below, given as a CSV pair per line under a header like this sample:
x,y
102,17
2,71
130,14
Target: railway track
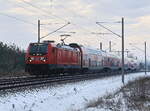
x,y
9,83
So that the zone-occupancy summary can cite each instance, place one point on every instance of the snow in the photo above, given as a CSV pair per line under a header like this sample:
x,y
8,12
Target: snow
x,y
66,97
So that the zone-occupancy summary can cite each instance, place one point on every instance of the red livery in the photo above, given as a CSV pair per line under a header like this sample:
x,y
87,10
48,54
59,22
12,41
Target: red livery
x,y
49,58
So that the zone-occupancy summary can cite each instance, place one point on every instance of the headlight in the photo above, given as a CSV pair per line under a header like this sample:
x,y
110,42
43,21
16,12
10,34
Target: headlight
x,y
30,59
43,59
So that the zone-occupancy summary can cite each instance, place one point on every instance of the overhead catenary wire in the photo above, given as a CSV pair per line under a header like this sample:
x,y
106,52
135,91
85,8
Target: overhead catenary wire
x,y
33,11
44,24
46,12
95,33
28,9
75,14
43,14
18,19
98,23
55,30
51,15
136,47
34,6
76,25
110,22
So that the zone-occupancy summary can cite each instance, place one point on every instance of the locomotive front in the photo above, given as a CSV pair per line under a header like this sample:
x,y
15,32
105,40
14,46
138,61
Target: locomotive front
x,y
37,58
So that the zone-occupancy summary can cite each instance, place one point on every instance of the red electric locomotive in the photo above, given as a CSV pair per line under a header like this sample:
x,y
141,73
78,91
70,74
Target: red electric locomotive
x,y
46,57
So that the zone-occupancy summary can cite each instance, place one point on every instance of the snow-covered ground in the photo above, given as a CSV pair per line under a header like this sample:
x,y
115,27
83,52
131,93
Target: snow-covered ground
x,y
67,97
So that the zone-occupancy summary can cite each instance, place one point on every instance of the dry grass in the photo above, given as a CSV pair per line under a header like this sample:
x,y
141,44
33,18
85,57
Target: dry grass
x,y
134,96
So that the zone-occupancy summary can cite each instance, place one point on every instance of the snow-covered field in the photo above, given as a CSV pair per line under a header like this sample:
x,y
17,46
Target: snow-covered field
x,y
66,97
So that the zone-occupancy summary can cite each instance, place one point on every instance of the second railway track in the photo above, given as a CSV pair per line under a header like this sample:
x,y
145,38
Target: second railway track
x,y
10,83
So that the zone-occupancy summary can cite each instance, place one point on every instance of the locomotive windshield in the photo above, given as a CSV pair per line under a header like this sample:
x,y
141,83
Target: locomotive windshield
x,y
38,49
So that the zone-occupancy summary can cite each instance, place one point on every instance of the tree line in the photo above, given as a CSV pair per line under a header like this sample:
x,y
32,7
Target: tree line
x,y
12,58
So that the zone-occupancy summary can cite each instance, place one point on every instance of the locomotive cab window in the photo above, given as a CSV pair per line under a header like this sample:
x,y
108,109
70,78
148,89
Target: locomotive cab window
x,y
38,49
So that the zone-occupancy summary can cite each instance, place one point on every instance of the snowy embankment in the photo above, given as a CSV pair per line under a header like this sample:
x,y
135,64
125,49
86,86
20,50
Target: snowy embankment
x,y
67,97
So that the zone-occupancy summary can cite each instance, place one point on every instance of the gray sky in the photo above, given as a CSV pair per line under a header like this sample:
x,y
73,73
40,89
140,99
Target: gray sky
x,y
83,15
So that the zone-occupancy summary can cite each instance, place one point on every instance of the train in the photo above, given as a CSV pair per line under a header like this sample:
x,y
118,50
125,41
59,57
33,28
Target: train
x,y
48,58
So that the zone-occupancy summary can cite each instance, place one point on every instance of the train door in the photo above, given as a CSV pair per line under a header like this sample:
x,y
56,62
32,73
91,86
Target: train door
x,y
89,62
52,55
55,55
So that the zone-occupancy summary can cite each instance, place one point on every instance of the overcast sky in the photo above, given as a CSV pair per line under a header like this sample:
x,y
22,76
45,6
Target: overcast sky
x,y
82,14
